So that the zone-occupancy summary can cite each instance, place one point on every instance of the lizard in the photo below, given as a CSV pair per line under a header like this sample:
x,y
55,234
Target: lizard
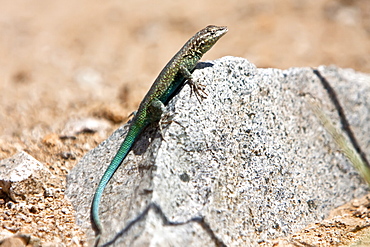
x,y
177,71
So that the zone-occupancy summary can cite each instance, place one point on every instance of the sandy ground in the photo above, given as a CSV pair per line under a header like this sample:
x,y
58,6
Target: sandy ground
x,y
68,61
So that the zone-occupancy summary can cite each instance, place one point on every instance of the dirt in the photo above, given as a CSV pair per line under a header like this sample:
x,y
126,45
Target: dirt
x,y
68,61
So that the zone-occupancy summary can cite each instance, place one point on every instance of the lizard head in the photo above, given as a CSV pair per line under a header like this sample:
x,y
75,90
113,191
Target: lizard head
x,y
207,37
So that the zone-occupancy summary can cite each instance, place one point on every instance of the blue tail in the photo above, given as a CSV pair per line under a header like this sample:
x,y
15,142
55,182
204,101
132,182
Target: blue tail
x,y
124,149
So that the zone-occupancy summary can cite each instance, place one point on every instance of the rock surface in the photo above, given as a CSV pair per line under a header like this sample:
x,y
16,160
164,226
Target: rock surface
x,y
248,164
23,176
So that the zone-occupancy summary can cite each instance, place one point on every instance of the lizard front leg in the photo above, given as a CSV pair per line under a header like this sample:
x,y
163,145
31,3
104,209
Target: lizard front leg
x,y
195,86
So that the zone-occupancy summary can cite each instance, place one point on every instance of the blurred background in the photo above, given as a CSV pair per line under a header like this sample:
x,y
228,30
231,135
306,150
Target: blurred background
x,y
62,61
57,57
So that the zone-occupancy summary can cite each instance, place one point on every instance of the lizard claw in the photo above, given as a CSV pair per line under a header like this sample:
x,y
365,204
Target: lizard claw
x,y
198,89
167,118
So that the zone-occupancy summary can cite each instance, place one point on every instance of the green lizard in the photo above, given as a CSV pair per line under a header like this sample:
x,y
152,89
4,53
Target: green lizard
x,y
173,76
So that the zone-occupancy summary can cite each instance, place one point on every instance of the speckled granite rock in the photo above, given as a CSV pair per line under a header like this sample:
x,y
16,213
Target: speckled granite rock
x,y
248,164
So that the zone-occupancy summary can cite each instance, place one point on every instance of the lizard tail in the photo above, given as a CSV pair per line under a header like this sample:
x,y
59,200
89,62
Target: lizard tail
x,y
125,147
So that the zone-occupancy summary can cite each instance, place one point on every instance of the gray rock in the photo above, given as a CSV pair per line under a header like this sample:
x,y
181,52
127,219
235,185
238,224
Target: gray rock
x,y
22,176
88,125
250,163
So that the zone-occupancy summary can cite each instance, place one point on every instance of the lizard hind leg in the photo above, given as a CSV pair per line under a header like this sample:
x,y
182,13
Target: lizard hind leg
x,y
159,112
166,119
